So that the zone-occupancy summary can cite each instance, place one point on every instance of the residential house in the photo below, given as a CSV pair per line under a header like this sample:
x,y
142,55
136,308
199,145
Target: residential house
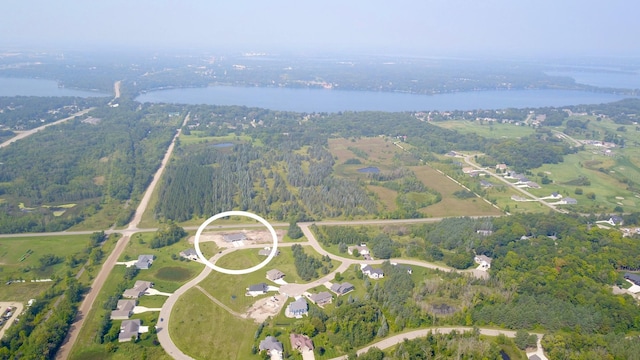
x,y
257,289
138,289
298,307
634,278
501,167
144,262
123,310
272,346
484,232
615,220
534,357
485,184
274,274
189,254
371,272
555,195
569,201
322,298
234,237
301,342
361,249
341,289
129,329
483,260
533,185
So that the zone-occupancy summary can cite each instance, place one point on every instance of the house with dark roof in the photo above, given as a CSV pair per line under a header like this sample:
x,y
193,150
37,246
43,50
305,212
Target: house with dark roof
x,y
275,274
534,357
257,289
485,184
371,272
615,220
341,289
234,237
298,307
123,310
138,289
301,342
189,254
634,278
272,346
569,201
144,262
322,298
129,329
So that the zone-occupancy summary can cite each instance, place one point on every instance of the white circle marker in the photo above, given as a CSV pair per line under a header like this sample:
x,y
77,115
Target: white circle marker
x,y
274,249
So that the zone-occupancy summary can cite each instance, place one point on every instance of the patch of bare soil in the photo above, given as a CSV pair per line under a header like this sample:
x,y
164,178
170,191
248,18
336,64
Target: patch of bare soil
x,y
264,308
251,237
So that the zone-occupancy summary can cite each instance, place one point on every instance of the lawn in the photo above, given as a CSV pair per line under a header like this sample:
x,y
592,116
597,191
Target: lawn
x,y
206,331
231,289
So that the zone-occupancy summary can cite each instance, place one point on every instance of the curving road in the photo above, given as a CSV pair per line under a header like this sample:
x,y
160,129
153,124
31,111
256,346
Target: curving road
x,y
393,340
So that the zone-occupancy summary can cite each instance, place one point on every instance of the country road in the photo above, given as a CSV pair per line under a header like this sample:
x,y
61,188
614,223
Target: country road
x,y
393,340
24,134
530,195
87,302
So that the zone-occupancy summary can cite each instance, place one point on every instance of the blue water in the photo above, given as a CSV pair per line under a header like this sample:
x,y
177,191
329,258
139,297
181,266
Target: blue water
x,y
40,87
320,100
369,170
612,79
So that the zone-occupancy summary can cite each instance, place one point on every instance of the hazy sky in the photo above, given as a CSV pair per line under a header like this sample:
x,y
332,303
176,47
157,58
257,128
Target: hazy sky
x,y
420,27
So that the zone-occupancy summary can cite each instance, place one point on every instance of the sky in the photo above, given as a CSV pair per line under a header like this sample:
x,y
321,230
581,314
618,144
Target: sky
x,y
411,27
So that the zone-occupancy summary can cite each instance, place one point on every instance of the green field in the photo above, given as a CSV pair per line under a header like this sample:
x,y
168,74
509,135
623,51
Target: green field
x,y
493,131
20,256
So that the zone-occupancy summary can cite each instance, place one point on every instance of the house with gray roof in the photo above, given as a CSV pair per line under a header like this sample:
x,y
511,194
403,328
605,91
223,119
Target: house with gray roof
x,y
234,237
123,310
371,272
138,289
298,307
190,254
129,329
274,274
257,289
144,262
273,346
341,289
322,298
634,278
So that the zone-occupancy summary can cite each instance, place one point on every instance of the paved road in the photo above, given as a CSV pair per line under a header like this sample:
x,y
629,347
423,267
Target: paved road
x,y
24,134
393,340
87,302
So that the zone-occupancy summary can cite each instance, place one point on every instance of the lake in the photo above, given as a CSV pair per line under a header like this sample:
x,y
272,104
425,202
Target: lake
x,y
321,100
40,87
612,79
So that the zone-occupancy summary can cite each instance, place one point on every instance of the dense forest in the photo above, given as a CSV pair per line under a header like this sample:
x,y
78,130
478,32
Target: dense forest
x,y
107,155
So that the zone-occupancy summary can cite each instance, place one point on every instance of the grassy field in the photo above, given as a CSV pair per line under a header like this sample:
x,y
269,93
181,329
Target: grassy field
x,y
495,131
20,256
209,332
450,205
